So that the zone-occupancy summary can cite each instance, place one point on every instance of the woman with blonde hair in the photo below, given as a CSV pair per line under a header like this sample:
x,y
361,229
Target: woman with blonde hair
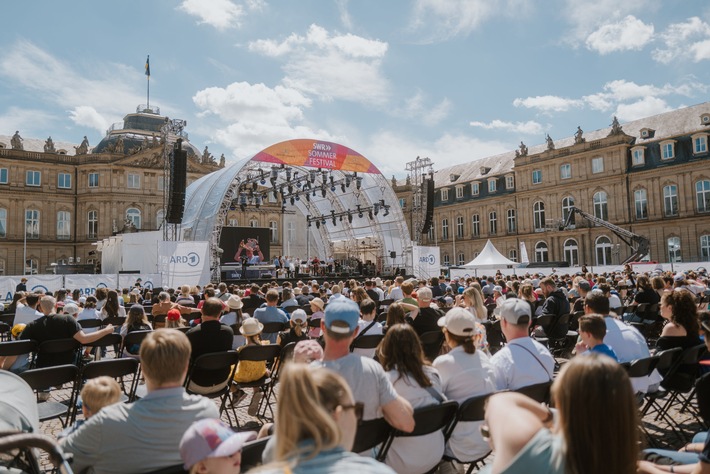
x,y
472,300
316,421
596,413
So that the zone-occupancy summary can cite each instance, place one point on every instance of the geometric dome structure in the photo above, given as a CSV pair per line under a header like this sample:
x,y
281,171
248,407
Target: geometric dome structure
x,y
341,199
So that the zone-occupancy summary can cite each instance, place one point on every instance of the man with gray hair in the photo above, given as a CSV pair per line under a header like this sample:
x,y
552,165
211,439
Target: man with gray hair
x,y
426,319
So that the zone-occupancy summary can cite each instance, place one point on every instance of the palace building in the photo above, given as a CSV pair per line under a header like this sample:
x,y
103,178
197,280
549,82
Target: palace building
x,y
650,177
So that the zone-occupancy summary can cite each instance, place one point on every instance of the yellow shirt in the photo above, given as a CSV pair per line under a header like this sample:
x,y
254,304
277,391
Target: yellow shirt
x,y
250,370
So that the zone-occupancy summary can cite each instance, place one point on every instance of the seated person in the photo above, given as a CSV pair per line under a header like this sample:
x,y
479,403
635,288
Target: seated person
x,y
96,394
211,447
592,330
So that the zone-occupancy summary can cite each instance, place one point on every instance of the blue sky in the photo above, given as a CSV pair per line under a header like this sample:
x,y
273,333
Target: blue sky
x,y
454,80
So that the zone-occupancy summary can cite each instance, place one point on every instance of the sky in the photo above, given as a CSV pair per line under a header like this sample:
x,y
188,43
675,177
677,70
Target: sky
x,y
451,80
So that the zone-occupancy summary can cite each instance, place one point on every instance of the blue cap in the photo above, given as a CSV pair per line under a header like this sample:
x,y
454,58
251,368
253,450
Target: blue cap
x,y
345,310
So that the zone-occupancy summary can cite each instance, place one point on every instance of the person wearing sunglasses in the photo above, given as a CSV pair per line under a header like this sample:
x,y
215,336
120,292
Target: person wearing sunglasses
x,y
316,421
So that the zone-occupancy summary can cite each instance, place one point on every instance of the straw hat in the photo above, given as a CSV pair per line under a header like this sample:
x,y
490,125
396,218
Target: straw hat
x,y
235,302
318,303
251,327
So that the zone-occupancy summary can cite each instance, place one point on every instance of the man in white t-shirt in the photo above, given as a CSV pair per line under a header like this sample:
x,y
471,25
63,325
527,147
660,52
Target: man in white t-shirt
x,y
27,313
523,361
396,293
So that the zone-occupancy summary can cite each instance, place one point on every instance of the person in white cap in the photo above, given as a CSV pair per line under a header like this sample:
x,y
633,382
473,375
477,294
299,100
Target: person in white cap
x,y
211,447
465,372
523,361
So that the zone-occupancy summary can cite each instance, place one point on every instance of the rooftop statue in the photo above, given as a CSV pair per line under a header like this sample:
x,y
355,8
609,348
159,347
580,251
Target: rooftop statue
x,y
49,146
83,149
550,143
16,141
206,156
221,161
615,127
578,138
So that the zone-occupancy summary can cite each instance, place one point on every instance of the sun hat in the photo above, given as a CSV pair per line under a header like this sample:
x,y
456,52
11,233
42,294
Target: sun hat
x,y
459,322
318,302
251,327
82,299
342,310
211,438
17,330
299,316
174,315
307,351
514,310
235,302
71,308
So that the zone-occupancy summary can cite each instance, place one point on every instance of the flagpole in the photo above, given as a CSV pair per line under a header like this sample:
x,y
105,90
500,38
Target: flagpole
x,y
147,73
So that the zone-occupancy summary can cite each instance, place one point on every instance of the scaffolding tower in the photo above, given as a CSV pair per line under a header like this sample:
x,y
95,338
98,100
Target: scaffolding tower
x,y
418,169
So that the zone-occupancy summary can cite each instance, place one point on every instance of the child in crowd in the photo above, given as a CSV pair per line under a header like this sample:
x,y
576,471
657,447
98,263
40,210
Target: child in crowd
x,y
317,306
97,393
297,331
592,330
247,370
211,447
367,325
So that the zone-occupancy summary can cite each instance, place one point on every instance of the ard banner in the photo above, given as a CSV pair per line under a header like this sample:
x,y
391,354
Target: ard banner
x,y
184,263
47,283
427,263
88,283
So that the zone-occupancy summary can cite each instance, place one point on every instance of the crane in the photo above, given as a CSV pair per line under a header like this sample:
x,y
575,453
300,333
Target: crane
x,y
639,244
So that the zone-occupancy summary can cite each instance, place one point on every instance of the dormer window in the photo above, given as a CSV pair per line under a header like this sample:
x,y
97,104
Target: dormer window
x,y
647,133
492,186
454,177
484,170
705,119
444,195
475,189
637,156
459,192
509,182
700,143
667,149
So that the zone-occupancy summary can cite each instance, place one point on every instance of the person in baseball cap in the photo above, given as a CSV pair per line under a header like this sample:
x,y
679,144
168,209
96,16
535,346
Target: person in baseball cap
x,y
515,311
459,322
342,316
211,447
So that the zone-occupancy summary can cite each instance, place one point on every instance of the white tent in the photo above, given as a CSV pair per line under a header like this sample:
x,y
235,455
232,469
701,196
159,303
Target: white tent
x,y
490,258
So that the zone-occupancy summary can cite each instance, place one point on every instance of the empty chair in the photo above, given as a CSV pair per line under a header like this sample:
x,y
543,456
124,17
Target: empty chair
x,y
215,362
57,352
371,434
540,392
252,453
47,378
471,410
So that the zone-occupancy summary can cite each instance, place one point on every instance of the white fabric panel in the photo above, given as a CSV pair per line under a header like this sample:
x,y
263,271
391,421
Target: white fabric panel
x,y
184,263
490,257
427,261
140,251
49,283
149,280
88,283
111,254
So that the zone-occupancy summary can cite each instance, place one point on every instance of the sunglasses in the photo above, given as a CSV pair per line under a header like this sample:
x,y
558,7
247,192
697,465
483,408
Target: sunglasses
x,y
359,408
485,432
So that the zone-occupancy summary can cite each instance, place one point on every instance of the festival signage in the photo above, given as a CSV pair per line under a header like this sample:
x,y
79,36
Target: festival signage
x,y
316,154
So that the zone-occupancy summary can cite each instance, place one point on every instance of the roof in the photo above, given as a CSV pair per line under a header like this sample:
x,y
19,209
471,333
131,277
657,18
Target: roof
x,y
667,125
37,144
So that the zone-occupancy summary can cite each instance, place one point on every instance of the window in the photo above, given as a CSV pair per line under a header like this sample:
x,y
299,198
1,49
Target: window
x,y
571,252
670,200
539,216
430,234
64,181
537,176
603,250
63,225
597,165
402,203
444,195
32,224
641,203
253,223
667,150
513,255
492,223
31,266
702,194
567,205
3,176
475,189
33,178
274,232
161,183
444,229
92,229
290,231
459,227
133,181
700,144
674,250
510,220
134,215
601,210
565,171
159,218
232,222
704,248
637,156
460,259
476,225
541,252
459,192
93,180
509,182
445,260
492,186
3,223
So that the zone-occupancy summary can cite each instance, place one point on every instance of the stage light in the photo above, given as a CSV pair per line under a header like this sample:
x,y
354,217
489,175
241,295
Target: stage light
x,y
262,176
323,191
325,176
387,211
318,224
350,216
312,175
369,214
292,200
322,220
347,180
290,188
342,187
358,182
257,202
341,218
314,192
276,194
288,174
308,196
334,223
359,211
377,208
309,221
298,197
274,173
254,186
332,187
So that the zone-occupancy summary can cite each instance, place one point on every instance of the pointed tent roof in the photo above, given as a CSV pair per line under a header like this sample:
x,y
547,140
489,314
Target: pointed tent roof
x,y
490,257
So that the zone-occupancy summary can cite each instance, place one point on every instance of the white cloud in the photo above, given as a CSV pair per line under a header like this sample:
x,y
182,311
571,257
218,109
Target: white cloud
x,y
106,92
645,107
439,20
528,128
689,40
250,117
345,17
345,67
586,17
390,151
628,34
416,107
27,121
548,103
619,91
220,14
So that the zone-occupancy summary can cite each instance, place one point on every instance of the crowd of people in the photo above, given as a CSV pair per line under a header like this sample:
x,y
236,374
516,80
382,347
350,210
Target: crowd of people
x,y
439,339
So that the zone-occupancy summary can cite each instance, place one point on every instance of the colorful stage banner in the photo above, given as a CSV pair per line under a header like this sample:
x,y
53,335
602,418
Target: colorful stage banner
x,y
316,154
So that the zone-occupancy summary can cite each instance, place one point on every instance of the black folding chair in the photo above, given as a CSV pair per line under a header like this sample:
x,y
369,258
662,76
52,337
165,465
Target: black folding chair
x,y
22,447
540,392
285,356
702,394
57,352
43,380
90,323
252,453
131,340
494,335
216,364
368,341
472,409
267,354
426,420
5,332
17,348
114,368
117,321
371,434
109,340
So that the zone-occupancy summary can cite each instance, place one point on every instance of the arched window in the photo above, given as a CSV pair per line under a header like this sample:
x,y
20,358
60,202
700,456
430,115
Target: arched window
x,y
513,255
32,223
670,200
63,225
134,215
702,194
641,203
674,254
444,229
31,266
492,223
92,224
541,252
274,231
571,252
253,223
539,215
601,210
567,204
3,222
602,247
705,248
159,218
459,227
460,259
476,225
445,260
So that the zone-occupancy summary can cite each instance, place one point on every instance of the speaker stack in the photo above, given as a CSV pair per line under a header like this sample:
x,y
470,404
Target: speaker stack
x,y
178,180
428,191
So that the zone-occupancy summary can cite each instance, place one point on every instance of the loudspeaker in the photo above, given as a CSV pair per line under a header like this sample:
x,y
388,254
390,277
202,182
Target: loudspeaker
x,y
428,191
393,254
178,179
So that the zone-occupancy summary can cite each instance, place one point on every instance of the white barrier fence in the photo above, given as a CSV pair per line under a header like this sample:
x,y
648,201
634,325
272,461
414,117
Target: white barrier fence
x,y
87,283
